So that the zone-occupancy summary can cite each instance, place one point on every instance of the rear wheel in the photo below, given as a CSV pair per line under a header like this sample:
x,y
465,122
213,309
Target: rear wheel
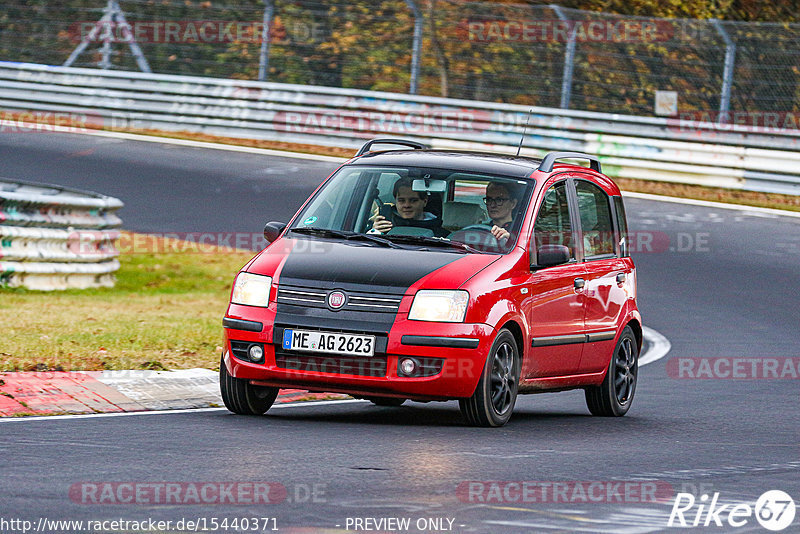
x,y
243,398
496,393
386,401
614,396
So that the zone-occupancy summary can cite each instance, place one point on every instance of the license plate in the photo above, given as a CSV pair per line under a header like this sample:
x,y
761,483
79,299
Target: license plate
x,y
328,342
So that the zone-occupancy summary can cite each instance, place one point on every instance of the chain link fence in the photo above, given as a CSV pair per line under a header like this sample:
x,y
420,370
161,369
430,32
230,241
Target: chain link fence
x,y
538,55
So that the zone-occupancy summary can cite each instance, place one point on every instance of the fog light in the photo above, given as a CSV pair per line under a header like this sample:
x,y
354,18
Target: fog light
x,y
408,366
256,353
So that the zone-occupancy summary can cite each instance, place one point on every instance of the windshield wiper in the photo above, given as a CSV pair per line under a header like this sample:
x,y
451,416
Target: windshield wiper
x,y
352,236
437,241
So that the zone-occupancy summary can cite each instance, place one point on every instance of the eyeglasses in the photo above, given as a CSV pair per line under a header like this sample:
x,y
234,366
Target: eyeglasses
x,y
497,201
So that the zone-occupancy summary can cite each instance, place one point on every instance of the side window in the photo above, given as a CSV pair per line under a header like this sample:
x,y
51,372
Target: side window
x,y
385,185
553,225
381,184
594,208
329,210
622,224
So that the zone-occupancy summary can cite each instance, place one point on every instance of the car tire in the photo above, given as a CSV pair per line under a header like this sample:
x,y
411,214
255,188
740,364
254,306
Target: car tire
x,y
614,396
386,401
496,393
243,398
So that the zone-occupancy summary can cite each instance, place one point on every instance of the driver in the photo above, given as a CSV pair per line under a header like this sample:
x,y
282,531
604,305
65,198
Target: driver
x,y
500,204
409,211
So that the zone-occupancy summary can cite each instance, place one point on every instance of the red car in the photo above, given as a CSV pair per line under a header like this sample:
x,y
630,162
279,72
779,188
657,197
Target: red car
x,y
434,275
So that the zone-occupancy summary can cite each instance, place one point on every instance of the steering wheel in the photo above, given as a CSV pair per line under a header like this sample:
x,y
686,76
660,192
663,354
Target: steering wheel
x,y
482,228
479,227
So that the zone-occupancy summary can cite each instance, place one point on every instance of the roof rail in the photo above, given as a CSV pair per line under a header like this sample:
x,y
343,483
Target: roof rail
x,y
388,141
551,157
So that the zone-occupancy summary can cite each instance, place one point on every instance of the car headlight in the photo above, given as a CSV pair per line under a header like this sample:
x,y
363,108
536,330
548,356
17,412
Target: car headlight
x,y
251,290
439,305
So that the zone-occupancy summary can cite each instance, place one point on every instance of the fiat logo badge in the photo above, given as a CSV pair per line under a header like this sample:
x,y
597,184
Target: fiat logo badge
x,y
336,300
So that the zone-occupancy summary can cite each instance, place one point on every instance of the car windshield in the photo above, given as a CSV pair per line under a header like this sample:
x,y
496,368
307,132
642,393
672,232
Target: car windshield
x,y
411,205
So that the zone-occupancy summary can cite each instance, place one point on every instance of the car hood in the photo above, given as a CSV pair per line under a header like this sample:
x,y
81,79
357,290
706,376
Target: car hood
x,y
329,264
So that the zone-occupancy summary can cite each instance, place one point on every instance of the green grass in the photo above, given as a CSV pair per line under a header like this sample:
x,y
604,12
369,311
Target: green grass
x,y
165,312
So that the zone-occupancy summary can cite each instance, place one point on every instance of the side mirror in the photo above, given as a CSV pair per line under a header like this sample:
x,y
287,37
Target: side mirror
x,y
550,255
272,230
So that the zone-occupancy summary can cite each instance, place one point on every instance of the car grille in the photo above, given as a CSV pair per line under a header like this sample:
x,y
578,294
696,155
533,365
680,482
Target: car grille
x,y
356,301
338,365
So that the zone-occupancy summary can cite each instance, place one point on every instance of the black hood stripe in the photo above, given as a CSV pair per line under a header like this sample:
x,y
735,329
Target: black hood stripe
x,y
331,264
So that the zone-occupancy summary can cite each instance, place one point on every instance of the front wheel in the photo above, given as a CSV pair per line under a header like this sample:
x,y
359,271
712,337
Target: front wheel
x,y
614,396
496,393
243,398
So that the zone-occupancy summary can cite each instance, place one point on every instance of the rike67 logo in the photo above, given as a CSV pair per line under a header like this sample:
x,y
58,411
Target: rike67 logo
x,y
774,511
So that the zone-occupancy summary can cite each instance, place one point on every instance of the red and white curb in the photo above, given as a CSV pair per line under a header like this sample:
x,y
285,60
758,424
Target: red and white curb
x,y
86,392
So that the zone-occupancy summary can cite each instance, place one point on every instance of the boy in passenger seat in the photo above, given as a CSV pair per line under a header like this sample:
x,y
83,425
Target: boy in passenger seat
x,y
409,210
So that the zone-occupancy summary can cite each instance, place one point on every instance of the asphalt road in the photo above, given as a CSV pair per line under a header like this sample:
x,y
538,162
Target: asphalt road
x,y
718,283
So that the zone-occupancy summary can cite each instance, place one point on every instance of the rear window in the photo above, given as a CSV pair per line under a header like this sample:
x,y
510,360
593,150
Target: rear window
x,y
594,208
622,224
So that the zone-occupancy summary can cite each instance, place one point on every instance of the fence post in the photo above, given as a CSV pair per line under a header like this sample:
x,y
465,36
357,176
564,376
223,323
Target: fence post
x,y
417,46
727,75
569,58
263,58
112,16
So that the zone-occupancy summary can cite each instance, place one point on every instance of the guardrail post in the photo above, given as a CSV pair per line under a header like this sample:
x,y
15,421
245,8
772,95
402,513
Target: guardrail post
x,y
727,76
417,46
569,59
263,58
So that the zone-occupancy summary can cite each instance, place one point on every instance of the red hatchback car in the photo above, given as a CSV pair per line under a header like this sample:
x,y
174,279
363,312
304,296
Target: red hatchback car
x,y
437,275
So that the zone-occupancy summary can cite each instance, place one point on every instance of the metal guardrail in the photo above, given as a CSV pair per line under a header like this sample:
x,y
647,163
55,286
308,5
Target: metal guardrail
x,y
705,153
52,237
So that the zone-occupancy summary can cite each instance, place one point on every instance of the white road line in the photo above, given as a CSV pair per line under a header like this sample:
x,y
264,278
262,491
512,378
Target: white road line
x,y
657,346
574,527
710,204
166,412
215,146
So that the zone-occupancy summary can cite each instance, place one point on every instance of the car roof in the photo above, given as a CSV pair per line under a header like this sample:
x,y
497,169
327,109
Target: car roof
x,y
500,164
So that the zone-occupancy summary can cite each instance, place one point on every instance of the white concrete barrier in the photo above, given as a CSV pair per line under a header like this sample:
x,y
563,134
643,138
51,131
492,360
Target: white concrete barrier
x,y
56,238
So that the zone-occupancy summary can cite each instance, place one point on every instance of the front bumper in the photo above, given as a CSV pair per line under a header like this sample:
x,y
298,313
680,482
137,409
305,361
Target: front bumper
x,y
462,347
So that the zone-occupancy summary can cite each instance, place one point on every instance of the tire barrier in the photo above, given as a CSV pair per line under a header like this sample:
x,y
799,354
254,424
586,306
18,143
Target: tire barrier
x,y
696,150
53,237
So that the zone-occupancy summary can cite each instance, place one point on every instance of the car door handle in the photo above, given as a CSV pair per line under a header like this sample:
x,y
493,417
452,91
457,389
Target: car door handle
x,y
579,283
621,277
